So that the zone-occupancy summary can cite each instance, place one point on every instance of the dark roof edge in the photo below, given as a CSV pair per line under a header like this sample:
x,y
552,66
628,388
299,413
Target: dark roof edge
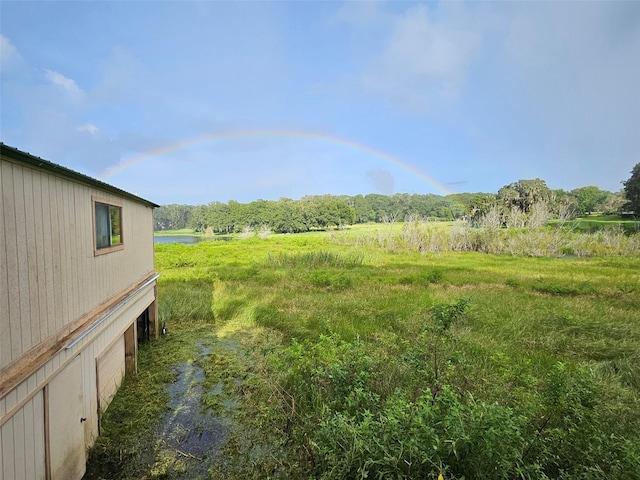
x,y
48,166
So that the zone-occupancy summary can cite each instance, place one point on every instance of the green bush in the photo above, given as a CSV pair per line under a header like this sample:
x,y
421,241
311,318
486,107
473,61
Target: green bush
x,y
358,413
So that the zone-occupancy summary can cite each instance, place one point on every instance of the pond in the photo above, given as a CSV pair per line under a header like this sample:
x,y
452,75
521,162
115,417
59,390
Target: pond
x,y
188,239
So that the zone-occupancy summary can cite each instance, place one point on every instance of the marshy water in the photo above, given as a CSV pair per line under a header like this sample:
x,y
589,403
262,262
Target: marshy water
x,y
190,436
201,411
189,239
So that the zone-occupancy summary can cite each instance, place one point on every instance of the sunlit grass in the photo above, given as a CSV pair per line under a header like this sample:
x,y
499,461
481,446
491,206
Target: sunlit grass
x,y
525,317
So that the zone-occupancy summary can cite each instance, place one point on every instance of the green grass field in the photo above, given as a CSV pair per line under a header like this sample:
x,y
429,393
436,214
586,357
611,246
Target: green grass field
x,y
182,231
351,360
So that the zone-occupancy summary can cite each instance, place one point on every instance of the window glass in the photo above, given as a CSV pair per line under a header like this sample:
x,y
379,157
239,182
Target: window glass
x,y
114,218
102,226
108,219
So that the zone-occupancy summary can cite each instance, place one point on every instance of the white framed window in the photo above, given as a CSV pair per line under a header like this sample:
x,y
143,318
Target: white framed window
x,y
107,226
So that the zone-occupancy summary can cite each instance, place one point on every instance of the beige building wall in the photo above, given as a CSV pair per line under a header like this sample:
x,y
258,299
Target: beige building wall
x,y
49,275
67,313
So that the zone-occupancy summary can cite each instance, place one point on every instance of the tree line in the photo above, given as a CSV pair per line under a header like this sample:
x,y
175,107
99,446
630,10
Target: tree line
x,y
516,201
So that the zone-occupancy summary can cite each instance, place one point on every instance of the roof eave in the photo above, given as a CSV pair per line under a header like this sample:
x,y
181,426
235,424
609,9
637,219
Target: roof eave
x,y
46,165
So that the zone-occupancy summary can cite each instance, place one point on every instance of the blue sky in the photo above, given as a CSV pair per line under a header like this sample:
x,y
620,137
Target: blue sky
x,y
191,102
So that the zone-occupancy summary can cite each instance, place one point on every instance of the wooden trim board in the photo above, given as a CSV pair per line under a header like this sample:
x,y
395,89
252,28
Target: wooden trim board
x,y
19,369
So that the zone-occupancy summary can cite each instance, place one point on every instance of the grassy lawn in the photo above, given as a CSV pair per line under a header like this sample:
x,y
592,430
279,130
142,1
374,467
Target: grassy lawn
x,y
341,359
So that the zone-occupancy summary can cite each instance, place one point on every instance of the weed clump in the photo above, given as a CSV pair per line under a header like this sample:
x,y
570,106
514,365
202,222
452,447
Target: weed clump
x,y
315,259
496,235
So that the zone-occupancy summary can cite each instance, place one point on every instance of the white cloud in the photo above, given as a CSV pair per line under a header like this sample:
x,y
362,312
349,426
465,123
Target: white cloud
x,y
88,127
7,50
10,59
67,84
424,61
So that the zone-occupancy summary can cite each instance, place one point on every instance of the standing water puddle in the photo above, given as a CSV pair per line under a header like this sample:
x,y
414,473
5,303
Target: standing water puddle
x,y
191,436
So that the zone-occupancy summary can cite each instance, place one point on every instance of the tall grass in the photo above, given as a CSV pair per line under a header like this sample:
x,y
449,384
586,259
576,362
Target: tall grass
x,y
412,353
537,241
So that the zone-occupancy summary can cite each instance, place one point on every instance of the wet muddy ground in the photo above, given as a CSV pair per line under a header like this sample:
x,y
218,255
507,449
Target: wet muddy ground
x,y
201,417
191,436
199,408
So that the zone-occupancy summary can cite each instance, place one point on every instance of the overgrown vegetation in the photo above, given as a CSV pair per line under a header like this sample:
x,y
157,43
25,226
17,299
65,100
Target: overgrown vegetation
x,y
369,354
584,238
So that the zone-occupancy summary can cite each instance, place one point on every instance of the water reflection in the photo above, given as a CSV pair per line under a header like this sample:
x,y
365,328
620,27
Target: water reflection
x,y
188,239
176,239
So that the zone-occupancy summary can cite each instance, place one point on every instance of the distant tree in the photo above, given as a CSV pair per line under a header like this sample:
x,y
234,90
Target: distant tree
x,y
172,216
258,213
632,190
161,219
613,204
382,206
326,210
363,209
474,204
219,218
589,199
289,217
198,220
563,204
524,194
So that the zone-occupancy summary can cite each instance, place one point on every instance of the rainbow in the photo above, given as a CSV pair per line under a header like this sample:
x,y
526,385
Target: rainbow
x,y
271,133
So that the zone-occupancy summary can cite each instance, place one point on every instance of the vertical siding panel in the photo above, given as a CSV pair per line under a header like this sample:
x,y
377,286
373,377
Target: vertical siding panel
x,y
64,266
55,255
15,329
72,250
22,443
49,286
23,258
101,273
55,363
69,257
48,369
8,447
21,392
11,399
31,383
5,327
83,218
90,407
29,431
40,377
94,263
90,259
32,257
1,457
38,446
80,200
19,443
40,254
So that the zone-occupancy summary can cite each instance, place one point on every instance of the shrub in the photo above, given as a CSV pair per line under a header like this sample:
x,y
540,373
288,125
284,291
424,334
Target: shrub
x,y
356,413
